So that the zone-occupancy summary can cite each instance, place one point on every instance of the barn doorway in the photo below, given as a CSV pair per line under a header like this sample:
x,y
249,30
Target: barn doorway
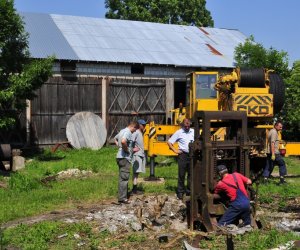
x,y
179,93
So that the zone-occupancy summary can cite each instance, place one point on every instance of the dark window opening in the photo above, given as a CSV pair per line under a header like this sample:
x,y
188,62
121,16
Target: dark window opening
x,y
179,93
68,66
137,69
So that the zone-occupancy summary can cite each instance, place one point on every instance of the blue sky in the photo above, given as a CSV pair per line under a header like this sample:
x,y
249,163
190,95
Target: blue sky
x,y
272,22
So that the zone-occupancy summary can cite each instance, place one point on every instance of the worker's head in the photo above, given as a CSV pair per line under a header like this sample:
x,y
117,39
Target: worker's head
x,y
133,126
222,169
142,123
186,124
278,125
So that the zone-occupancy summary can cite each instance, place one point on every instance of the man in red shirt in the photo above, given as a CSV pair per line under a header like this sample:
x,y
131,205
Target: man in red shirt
x,y
233,186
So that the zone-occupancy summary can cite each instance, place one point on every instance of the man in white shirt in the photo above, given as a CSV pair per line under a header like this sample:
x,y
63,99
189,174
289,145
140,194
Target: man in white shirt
x,y
183,136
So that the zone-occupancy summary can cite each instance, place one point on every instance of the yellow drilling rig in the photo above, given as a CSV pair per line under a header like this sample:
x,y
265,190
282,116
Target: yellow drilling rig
x,y
232,114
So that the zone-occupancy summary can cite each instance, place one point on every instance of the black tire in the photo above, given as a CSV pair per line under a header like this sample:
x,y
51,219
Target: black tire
x,y
277,88
252,78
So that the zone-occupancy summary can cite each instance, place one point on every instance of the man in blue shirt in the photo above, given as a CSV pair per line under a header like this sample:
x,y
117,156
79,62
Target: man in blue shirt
x,y
183,136
138,158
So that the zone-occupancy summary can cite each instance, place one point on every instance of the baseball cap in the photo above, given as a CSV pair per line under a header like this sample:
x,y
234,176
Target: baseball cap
x,y
221,168
142,122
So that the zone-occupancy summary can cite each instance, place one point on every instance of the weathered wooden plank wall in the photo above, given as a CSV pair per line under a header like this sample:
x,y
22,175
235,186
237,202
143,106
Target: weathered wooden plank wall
x,y
126,99
132,98
57,100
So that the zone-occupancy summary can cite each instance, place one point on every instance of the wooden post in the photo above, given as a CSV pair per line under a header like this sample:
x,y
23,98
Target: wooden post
x,y
169,97
28,121
104,83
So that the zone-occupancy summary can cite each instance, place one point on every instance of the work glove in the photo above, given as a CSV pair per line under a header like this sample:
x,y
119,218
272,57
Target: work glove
x,y
273,157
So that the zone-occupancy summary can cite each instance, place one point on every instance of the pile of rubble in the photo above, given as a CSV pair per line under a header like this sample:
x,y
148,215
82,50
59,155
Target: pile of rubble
x,y
144,212
73,173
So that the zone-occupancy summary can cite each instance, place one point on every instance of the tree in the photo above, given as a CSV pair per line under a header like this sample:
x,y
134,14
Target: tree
x,y
253,55
291,109
20,76
188,12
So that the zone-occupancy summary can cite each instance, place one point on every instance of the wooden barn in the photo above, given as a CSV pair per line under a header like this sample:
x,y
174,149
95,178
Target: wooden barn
x,y
120,70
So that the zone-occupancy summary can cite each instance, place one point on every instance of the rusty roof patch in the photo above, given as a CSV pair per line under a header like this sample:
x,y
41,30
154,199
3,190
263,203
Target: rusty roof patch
x,y
213,50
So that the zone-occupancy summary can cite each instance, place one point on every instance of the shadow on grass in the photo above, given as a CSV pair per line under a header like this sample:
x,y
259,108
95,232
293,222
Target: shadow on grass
x,y
5,173
41,154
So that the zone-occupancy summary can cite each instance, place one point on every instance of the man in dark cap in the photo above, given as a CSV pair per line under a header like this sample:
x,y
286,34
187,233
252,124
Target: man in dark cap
x,y
138,158
233,186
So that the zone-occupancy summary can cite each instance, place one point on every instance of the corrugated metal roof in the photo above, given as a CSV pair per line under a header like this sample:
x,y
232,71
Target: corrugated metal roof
x,y
122,41
45,39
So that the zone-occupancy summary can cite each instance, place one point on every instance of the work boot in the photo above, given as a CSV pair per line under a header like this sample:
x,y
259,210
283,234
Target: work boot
x,y
135,190
179,196
282,181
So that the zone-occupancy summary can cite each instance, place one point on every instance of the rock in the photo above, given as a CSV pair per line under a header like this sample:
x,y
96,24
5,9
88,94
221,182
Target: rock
x,y
62,236
136,226
73,172
288,245
112,228
289,225
18,163
76,236
189,247
81,243
178,225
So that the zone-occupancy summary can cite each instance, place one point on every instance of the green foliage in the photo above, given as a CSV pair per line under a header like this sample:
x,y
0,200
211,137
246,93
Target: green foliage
x,y
253,55
13,41
188,12
19,75
291,111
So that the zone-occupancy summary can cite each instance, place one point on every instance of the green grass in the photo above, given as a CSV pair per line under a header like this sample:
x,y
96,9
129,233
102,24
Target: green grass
x,y
255,240
281,194
53,235
59,235
27,195
293,165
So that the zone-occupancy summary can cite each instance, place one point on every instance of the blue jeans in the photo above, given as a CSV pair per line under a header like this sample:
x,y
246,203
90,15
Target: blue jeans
x,y
270,165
